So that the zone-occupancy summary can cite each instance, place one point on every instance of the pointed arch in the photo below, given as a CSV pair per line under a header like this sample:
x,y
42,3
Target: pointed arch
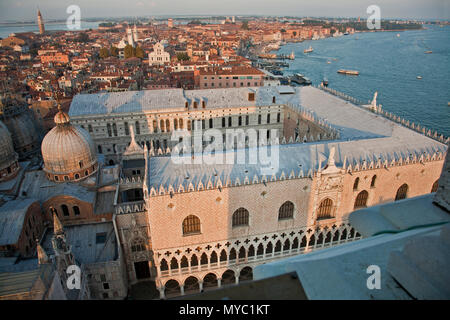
x,y
356,183
286,211
320,239
241,253
325,210
223,255
184,262
287,245
260,249
402,192
240,217
232,255
269,248
344,234
361,200
304,242
251,251
373,181
278,246
174,263
194,260
163,266
312,241
203,259
213,257
295,243
336,236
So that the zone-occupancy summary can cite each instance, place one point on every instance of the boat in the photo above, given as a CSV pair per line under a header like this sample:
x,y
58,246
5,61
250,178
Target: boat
x,y
398,35
350,72
328,62
419,77
310,49
300,79
325,82
429,51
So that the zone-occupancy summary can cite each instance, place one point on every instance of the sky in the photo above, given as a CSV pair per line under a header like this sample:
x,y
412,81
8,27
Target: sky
x,y
20,10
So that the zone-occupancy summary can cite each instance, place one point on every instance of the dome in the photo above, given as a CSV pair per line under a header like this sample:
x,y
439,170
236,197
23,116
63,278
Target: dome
x,y
21,123
68,151
8,157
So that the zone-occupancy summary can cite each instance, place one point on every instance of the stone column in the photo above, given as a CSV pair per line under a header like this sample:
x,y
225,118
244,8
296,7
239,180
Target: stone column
x,y
200,286
219,282
161,293
182,290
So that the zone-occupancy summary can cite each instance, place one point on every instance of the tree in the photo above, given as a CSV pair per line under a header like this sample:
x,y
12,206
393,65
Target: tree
x,y
104,53
83,37
244,25
183,56
294,33
139,52
114,51
129,51
283,30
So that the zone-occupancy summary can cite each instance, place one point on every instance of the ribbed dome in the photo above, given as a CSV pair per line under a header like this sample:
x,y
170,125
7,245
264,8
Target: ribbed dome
x,y
8,156
68,151
61,118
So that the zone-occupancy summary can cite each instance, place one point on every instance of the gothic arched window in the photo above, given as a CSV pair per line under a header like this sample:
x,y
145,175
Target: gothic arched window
x,y
325,209
361,199
286,211
372,183
355,184
240,217
402,192
191,225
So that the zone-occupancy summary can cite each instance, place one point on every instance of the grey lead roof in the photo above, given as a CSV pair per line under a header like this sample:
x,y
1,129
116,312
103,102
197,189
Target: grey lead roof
x,y
12,218
150,100
82,238
364,136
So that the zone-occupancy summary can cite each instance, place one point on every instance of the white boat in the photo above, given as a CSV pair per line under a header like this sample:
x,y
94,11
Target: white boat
x,y
350,72
310,49
419,77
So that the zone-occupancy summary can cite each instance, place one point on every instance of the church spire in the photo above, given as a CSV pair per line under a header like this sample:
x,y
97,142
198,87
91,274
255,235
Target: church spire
x,y
57,226
42,256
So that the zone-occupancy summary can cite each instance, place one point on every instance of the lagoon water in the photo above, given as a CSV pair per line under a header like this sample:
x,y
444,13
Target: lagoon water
x,y
6,30
389,64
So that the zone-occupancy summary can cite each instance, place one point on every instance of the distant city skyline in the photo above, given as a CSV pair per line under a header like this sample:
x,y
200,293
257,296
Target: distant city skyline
x,y
25,10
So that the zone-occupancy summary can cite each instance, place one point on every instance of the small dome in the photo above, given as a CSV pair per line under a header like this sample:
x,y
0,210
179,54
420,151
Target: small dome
x,y
61,117
8,157
21,123
68,151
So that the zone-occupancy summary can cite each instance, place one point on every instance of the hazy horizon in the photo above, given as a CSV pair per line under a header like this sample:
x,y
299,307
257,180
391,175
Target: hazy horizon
x,y
25,10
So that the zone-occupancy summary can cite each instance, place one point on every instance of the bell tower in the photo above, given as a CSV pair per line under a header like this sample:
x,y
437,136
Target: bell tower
x,y
40,23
